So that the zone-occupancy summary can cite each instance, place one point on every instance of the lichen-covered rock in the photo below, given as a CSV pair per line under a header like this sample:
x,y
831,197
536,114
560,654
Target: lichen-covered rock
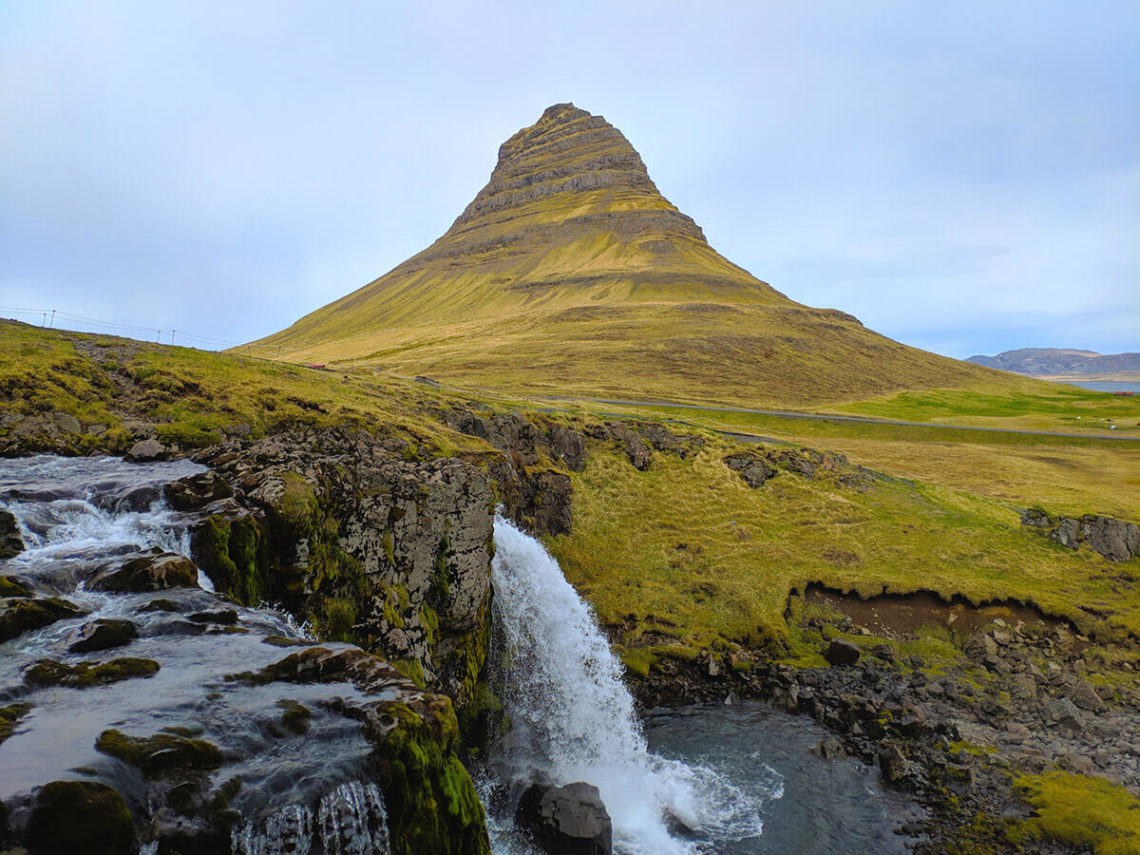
x,y
1116,540
389,553
752,468
196,491
150,573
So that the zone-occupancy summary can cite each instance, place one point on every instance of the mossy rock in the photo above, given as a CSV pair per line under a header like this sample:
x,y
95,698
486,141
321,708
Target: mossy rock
x,y
20,616
10,716
12,587
432,803
160,753
50,672
150,573
231,551
295,716
80,816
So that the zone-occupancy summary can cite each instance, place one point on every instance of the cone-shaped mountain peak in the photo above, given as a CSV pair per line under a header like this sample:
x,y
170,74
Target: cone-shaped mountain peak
x,y
570,272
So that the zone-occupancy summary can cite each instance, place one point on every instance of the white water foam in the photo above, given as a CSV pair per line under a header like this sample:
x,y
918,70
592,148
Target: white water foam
x,y
350,820
572,716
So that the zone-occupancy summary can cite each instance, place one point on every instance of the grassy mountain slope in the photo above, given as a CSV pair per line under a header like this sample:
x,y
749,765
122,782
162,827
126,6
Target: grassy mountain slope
x,y
570,273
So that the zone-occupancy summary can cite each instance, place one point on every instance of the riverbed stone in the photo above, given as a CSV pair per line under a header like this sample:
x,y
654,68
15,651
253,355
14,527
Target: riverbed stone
x,y
18,616
102,634
11,544
566,820
145,451
150,573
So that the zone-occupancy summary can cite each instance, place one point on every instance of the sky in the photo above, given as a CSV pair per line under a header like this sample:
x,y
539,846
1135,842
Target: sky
x,y
962,177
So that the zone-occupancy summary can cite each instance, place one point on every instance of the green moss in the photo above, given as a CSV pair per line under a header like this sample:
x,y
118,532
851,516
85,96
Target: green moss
x,y
432,803
159,753
638,660
10,716
10,587
412,669
230,552
1078,810
298,503
49,672
338,617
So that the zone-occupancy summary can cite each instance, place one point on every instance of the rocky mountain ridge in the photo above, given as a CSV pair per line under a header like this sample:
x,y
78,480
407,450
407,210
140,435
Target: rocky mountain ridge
x,y
1059,361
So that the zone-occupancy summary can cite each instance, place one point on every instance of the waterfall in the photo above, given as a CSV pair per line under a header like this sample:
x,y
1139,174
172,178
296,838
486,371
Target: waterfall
x,y
572,717
350,820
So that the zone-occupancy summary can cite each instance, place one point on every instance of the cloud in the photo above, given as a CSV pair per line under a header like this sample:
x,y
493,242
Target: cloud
x,y
959,177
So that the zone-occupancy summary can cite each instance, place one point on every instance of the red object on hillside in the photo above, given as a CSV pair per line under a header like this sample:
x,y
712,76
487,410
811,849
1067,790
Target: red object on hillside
x,y
1124,394
315,365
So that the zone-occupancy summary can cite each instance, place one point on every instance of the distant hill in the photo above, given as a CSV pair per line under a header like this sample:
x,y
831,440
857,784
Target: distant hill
x,y
1062,362
569,273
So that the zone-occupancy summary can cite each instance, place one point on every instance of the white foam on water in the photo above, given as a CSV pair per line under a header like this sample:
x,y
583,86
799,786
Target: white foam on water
x,y
572,716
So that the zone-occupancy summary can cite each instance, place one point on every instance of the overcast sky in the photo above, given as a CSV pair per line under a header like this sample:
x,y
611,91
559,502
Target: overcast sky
x,y
964,177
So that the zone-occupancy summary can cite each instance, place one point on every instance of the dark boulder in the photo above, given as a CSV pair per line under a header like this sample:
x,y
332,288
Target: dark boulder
x,y
150,573
567,820
196,491
840,652
102,634
80,816
752,469
10,542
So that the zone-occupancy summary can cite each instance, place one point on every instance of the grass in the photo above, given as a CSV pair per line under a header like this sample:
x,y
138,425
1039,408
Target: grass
x,y
692,553
1067,474
1086,812
196,397
1054,407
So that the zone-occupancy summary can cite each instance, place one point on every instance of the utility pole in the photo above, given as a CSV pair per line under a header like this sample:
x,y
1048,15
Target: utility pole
x,y
51,323
172,332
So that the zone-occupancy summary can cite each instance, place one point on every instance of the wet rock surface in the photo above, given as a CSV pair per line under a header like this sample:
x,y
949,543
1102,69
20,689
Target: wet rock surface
x,y
389,553
566,820
10,542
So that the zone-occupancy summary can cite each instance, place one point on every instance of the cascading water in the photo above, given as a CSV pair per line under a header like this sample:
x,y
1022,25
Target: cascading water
x,y
289,791
572,718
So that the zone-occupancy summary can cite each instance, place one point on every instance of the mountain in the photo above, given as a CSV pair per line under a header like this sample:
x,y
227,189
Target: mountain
x,y
1060,362
570,273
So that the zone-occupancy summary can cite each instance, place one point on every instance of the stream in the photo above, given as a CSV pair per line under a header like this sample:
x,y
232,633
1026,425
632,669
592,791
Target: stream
x,y
718,779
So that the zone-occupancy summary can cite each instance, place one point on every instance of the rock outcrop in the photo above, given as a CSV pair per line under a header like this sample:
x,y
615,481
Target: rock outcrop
x,y
389,553
1116,540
